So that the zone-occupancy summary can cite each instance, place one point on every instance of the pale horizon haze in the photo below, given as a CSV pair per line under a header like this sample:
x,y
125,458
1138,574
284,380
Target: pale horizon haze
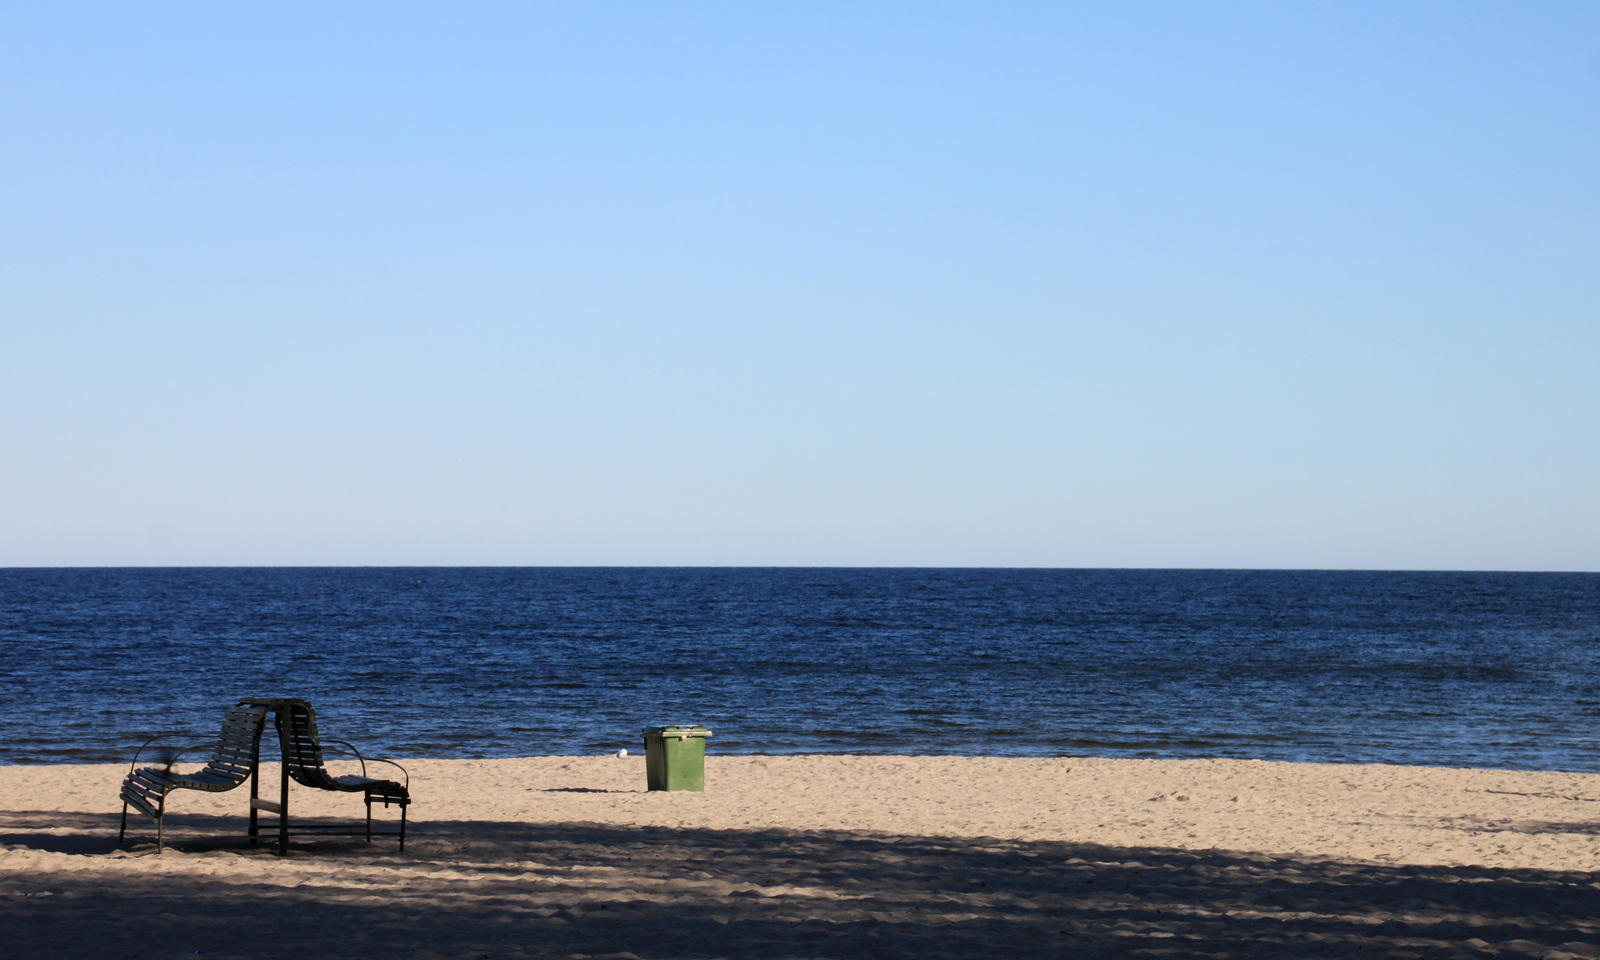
x,y
1240,285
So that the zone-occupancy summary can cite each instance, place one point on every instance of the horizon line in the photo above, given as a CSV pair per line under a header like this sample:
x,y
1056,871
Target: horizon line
x,y
766,566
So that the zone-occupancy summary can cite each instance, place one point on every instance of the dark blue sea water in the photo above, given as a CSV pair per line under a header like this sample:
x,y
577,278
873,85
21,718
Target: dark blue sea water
x,y
1488,669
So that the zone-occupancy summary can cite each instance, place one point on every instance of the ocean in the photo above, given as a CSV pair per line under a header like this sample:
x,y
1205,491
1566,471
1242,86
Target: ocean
x,y
1459,669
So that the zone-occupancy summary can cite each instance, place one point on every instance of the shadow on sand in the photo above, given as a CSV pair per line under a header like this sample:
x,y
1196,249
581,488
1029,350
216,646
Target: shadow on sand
x,y
477,889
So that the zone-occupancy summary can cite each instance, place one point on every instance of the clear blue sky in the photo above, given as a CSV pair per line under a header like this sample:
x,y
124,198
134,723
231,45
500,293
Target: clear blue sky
x,y
1123,284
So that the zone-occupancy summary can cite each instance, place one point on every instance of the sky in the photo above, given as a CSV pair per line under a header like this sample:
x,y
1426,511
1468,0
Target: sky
x,y
1260,285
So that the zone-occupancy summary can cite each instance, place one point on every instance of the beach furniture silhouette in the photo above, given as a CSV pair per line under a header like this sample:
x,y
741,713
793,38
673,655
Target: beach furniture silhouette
x,y
233,761
303,762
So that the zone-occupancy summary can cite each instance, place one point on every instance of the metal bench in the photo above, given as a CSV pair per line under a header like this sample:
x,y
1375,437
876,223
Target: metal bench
x,y
303,763
233,761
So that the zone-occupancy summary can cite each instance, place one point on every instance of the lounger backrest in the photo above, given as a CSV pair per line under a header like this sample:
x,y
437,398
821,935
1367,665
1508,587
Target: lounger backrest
x,y
238,742
302,748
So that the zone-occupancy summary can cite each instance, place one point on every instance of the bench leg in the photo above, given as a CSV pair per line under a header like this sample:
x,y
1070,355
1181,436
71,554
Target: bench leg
x,y
283,811
402,804
255,794
161,823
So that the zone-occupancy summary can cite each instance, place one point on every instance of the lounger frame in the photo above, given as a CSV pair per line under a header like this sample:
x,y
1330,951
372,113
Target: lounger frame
x,y
303,763
234,760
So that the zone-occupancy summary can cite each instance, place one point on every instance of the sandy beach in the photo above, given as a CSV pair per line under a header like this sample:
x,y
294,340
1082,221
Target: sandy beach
x,y
828,856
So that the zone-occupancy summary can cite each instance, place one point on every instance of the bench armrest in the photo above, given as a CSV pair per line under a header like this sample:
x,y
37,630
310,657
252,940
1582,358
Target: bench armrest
x,y
405,776
167,758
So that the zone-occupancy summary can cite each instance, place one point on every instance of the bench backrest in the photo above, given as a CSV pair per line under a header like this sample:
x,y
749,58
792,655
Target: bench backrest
x,y
302,746
238,743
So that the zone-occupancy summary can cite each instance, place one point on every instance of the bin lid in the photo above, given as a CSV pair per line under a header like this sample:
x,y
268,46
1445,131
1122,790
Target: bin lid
x,y
680,731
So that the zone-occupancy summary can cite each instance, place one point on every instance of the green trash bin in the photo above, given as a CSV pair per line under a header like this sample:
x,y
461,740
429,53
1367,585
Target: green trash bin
x,y
675,757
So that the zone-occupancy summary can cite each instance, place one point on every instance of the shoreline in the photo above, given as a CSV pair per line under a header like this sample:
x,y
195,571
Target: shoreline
x,y
716,755
834,855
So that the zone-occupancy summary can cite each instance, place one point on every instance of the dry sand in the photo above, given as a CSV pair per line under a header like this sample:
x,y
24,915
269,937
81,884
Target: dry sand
x,y
829,856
